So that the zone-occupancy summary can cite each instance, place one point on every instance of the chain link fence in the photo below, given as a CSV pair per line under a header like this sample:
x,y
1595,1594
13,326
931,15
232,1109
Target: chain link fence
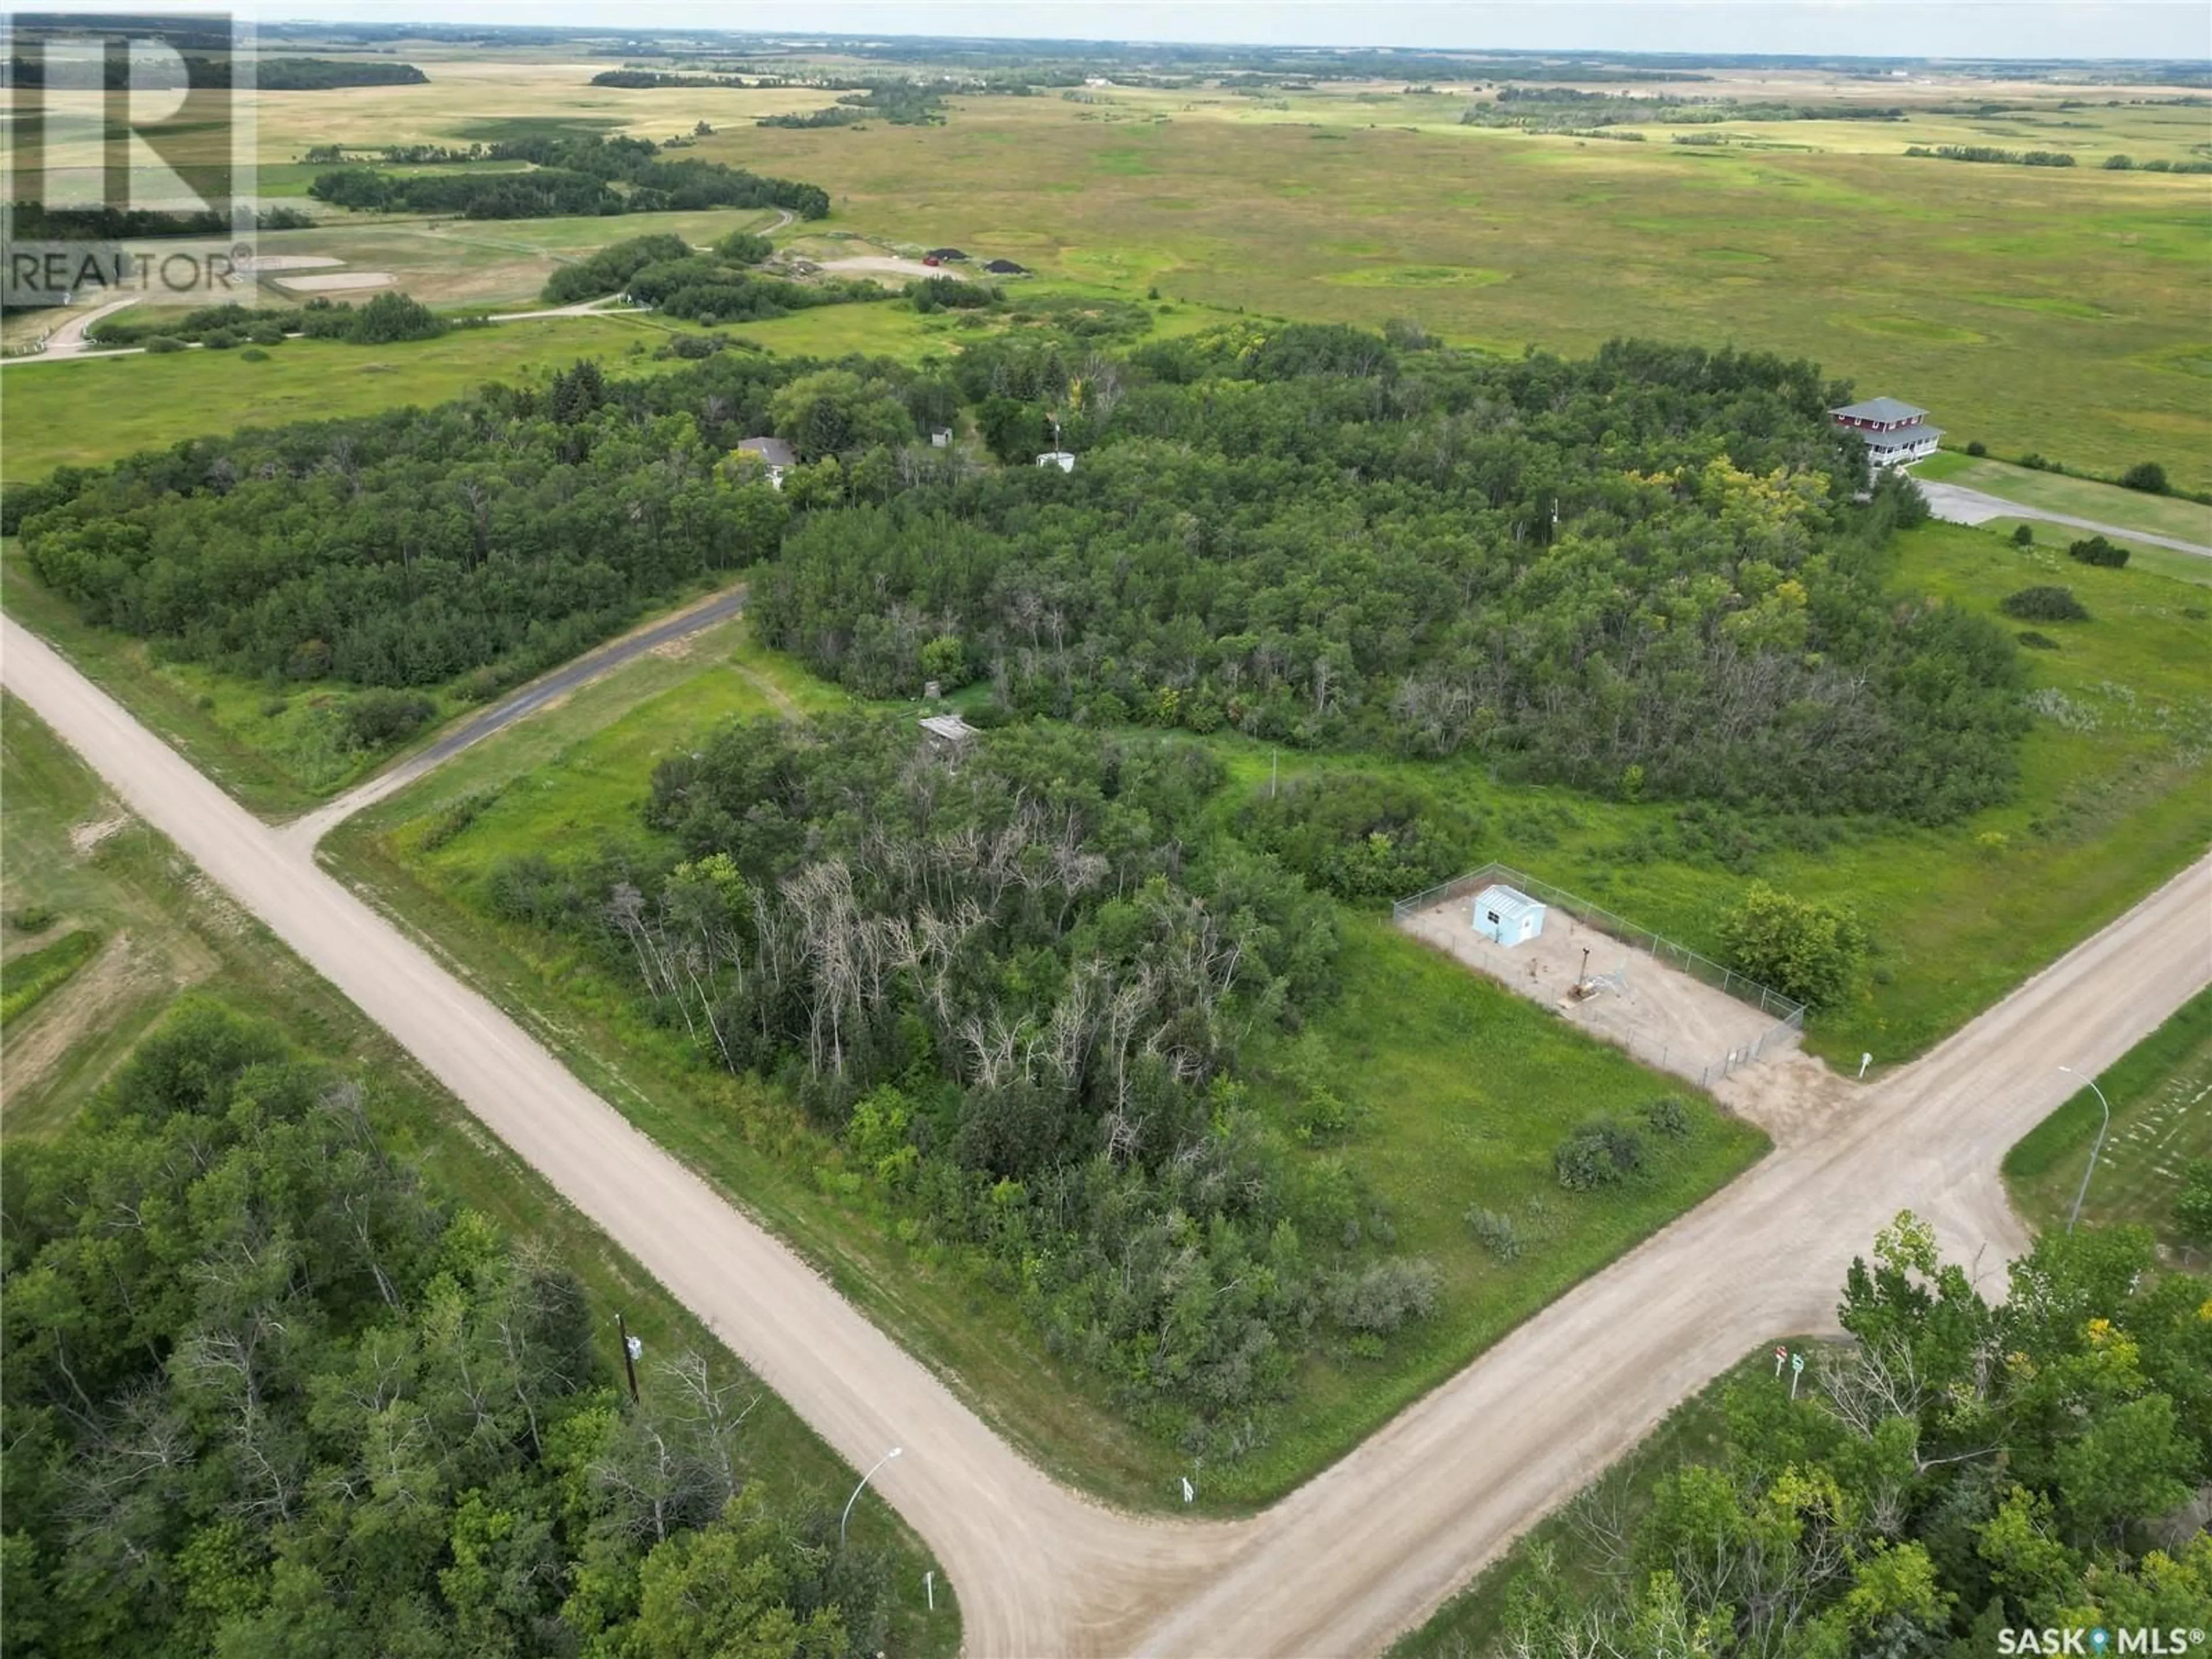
x,y
1789,1017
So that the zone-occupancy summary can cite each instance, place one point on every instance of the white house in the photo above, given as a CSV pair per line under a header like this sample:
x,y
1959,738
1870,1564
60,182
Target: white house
x,y
1508,915
1893,430
777,456
940,437
1062,459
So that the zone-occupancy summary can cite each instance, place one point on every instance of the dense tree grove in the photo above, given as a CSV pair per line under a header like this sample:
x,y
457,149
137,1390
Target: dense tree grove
x,y
503,533
1643,566
1962,1469
1015,982
263,1396
1645,574
567,176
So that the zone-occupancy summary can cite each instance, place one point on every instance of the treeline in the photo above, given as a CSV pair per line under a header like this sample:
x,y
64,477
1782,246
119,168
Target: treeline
x,y
264,1395
381,321
901,103
121,73
1643,575
35,222
1959,1471
2028,158
1640,573
1014,982
565,177
2119,163
643,79
666,273
502,534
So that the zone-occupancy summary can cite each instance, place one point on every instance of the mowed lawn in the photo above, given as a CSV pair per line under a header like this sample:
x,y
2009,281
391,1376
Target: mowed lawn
x,y
2079,498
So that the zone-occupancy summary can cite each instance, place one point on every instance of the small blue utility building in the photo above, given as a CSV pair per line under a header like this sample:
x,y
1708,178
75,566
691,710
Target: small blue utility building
x,y
1508,915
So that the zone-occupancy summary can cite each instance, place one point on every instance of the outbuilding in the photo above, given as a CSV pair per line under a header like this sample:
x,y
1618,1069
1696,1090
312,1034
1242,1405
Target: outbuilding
x,y
1007,268
774,454
1062,459
1508,915
944,256
948,734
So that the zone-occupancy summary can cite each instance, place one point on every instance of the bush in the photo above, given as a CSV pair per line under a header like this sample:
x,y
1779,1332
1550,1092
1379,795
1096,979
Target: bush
x,y
160,345
1378,1298
253,355
1978,448
2116,162
381,716
1495,1231
1668,1117
2146,476
30,918
2023,535
745,247
1809,953
2035,642
2097,551
1597,1155
2192,1208
266,334
2036,463
2044,604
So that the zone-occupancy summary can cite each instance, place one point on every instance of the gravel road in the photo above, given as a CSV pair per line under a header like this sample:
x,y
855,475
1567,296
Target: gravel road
x,y
1956,504
1371,1544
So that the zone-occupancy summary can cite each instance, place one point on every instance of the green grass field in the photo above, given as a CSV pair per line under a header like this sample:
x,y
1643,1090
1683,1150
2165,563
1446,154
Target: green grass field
x,y
2191,568
81,413
177,932
1459,1091
2080,498
2160,1092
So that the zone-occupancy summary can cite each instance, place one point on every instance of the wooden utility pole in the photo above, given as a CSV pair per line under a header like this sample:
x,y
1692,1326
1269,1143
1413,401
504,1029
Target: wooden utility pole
x,y
630,1345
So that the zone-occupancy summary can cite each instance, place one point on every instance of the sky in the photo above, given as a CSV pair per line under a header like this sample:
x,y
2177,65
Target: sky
x,y
1924,28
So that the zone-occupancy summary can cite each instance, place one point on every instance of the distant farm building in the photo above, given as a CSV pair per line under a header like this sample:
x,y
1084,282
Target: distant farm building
x,y
1508,915
777,456
946,256
1007,268
1062,459
940,437
948,734
1893,430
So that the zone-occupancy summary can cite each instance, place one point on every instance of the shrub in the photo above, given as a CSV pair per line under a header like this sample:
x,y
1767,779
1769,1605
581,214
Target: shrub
x,y
1597,1155
1978,448
160,345
2036,463
745,247
1495,1231
1808,951
383,715
2044,604
1378,1298
2035,642
2146,476
2192,1207
1668,1117
2116,162
2097,551
2023,535
253,355
266,334
30,918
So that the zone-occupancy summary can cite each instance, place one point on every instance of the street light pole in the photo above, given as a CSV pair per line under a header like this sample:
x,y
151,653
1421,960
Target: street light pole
x,y
843,1519
2094,1150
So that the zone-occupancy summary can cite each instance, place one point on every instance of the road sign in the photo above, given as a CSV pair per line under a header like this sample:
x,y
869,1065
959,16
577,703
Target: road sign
x,y
636,1348
1189,1491
1796,1371
1780,1354
1797,1362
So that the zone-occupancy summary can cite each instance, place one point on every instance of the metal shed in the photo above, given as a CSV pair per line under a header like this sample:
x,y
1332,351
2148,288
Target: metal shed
x,y
1508,915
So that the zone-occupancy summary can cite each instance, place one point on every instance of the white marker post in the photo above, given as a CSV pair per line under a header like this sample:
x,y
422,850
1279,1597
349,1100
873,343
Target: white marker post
x,y
1796,1371
1189,1491
1780,1355
1865,1060
929,1588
